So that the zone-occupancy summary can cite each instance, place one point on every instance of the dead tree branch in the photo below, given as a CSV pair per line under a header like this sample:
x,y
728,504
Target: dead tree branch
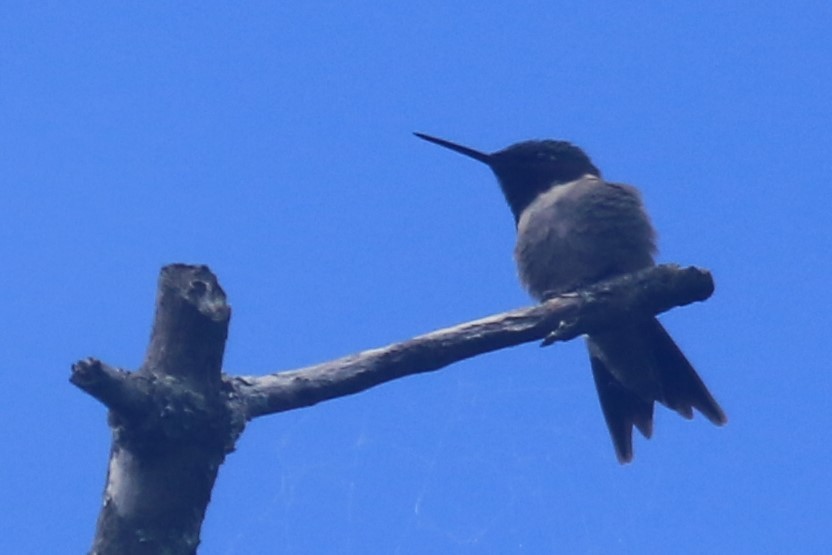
x,y
175,419
650,291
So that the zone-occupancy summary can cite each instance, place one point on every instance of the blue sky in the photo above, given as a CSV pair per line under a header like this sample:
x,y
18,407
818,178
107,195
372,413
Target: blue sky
x,y
273,143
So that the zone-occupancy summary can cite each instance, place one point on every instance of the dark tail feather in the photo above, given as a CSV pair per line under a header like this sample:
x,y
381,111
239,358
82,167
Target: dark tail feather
x,y
640,364
622,410
682,387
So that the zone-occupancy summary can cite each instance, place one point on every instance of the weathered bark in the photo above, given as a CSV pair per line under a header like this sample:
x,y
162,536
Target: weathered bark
x,y
173,421
176,418
652,291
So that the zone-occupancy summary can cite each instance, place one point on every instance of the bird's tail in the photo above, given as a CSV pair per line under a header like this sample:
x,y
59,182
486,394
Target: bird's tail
x,y
634,366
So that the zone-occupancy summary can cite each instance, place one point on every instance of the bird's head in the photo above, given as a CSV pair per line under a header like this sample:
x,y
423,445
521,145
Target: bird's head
x,y
530,168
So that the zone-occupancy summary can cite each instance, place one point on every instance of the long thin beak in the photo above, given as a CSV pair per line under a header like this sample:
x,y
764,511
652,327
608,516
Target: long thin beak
x,y
469,152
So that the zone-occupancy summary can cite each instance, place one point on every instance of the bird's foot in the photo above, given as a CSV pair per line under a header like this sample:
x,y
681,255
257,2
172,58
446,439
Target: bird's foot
x,y
564,331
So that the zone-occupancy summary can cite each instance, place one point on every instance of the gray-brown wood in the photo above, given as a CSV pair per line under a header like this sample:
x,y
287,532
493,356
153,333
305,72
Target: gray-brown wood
x,y
174,420
653,291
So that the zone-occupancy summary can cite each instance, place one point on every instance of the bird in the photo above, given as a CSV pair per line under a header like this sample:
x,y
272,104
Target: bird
x,y
575,229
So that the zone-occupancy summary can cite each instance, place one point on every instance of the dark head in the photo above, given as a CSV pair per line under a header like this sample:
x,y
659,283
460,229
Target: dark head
x,y
530,168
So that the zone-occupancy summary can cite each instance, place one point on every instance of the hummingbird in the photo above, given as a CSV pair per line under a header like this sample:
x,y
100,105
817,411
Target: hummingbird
x,y
575,229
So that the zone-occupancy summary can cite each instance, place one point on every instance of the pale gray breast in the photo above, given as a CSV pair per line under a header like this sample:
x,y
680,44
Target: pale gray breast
x,y
581,232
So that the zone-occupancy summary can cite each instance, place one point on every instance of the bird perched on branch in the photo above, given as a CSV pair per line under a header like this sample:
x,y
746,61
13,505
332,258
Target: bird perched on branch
x,y
575,229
